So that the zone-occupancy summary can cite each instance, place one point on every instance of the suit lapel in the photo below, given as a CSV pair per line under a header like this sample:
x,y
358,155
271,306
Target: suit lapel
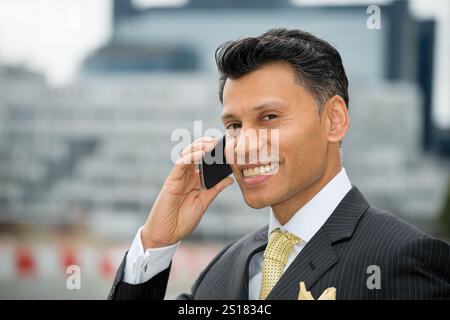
x,y
258,244
311,263
318,256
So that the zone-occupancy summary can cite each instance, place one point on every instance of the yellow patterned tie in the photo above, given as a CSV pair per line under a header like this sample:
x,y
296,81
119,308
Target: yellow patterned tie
x,y
276,255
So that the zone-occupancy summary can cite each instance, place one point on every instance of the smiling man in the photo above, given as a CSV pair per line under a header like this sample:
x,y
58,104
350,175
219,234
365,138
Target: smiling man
x,y
321,231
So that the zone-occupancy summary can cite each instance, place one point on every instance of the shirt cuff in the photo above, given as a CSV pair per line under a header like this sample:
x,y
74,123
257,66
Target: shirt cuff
x,y
141,266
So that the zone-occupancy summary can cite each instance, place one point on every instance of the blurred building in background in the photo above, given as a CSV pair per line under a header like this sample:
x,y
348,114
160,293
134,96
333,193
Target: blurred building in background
x,y
92,155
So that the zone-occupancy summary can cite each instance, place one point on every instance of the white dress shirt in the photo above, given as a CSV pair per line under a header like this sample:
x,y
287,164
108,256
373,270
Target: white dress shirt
x,y
142,266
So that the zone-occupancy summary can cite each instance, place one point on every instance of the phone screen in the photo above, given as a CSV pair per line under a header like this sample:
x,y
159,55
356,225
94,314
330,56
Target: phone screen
x,y
214,167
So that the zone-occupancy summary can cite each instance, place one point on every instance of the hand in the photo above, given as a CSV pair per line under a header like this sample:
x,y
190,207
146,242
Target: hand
x,y
182,201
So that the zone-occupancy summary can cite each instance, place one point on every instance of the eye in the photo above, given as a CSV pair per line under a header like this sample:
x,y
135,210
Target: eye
x,y
269,117
233,126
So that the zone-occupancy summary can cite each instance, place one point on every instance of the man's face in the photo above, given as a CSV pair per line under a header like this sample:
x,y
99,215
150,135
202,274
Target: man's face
x,y
270,98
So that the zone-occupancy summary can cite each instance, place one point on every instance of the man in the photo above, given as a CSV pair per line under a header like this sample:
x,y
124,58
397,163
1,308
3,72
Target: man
x,y
321,232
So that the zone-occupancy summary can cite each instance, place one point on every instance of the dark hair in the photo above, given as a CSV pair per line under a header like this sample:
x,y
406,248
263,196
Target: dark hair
x,y
317,63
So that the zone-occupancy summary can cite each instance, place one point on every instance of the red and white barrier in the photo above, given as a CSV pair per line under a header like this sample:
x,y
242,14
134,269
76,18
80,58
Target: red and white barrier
x,y
45,261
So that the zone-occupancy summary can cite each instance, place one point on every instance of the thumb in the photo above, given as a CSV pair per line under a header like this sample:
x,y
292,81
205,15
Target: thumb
x,y
209,195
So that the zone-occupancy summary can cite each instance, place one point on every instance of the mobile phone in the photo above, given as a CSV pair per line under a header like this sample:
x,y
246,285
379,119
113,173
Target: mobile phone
x,y
214,167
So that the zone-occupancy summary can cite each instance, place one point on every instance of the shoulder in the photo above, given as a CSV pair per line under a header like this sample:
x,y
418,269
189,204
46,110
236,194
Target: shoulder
x,y
413,264
259,234
378,225
380,235
235,247
229,257
419,270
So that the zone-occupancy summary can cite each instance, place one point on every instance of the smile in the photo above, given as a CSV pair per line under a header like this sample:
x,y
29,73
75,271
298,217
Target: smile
x,y
256,174
261,170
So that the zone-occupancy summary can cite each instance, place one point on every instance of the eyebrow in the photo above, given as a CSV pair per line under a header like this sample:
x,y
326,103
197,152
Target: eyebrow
x,y
260,107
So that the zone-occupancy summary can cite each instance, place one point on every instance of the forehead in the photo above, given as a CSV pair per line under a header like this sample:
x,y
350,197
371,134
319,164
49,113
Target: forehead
x,y
273,82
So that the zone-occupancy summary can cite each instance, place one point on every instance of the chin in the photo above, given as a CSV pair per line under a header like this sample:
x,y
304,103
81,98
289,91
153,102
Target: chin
x,y
257,201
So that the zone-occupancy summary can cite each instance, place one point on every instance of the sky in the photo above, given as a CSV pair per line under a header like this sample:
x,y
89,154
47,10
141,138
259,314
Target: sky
x,y
54,36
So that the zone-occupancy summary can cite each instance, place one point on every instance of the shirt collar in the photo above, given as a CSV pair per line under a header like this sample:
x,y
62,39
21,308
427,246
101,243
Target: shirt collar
x,y
312,216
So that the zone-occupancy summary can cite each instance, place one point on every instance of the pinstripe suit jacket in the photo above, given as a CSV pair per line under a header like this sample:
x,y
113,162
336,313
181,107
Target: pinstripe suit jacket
x,y
412,265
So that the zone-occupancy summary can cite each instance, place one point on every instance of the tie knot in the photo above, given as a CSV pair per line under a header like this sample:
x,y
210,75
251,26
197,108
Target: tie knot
x,y
276,255
280,245
286,236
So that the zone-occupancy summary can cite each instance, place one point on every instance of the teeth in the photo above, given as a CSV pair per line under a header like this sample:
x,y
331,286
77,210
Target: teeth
x,y
256,171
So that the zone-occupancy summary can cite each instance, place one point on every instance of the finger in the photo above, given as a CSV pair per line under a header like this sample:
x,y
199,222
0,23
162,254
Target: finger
x,y
204,139
209,195
187,160
191,158
196,146
185,163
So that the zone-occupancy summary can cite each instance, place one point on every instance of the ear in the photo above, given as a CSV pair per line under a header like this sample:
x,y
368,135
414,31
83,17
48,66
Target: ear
x,y
337,119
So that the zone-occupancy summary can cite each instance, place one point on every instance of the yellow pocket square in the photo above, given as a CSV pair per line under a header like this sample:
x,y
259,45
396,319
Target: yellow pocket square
x,y
328,294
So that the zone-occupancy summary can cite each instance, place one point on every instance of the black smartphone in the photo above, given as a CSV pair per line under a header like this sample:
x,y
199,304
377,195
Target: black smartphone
x,y
214,167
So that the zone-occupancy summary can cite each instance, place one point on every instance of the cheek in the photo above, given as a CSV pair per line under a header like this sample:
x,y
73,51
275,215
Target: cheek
x,y
301,147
